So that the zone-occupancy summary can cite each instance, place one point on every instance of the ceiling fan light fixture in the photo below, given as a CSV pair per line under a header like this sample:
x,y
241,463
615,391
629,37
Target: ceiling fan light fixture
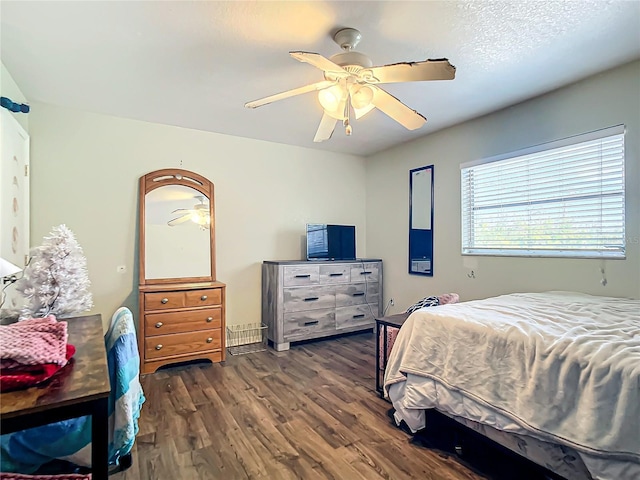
x,y
351,85
331,97
361,96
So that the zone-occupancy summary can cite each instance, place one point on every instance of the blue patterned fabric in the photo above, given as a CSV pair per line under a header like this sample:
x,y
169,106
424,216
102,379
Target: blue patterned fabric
x,y
126,399
70,440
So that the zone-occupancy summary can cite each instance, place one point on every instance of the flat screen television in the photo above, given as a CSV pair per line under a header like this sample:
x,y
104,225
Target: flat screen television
x,y
331,242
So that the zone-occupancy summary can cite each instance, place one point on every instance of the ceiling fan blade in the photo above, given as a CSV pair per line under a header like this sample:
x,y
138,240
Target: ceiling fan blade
x,y
326,128
361,112
397,110
178,220
320,62
182,210
411,72
290,93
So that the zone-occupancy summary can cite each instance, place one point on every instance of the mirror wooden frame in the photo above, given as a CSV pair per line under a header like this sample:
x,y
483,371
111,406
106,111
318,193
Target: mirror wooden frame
x,y
171,177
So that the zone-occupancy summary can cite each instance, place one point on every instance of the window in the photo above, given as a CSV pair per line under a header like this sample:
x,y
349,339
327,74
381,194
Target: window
x,y
560,199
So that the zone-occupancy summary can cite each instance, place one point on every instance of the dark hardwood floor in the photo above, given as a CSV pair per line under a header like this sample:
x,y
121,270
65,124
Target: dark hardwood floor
x,y
309,413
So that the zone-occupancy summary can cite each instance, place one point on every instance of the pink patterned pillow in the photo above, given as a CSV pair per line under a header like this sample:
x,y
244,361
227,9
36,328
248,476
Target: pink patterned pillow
x,y
392,333
448,298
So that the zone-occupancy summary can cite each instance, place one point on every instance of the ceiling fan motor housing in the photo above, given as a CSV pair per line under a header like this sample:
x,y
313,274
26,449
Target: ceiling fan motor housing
x,y
347,38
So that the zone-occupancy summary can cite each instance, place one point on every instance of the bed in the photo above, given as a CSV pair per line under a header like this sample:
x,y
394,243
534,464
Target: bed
x,y
557,372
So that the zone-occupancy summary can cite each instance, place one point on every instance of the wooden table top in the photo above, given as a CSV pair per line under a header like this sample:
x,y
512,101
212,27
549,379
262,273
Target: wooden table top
x,y
393,320
84,378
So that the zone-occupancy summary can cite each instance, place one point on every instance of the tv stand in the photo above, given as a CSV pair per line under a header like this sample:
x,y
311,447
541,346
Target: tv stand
x,y
308,299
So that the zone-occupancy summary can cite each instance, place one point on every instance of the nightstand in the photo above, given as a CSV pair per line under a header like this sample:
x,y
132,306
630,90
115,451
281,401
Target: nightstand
x,y
382,324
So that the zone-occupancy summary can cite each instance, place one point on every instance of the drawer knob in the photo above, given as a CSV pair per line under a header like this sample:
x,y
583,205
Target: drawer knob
x,y
203,298
164,300
158,347
209,340
209,319
159,324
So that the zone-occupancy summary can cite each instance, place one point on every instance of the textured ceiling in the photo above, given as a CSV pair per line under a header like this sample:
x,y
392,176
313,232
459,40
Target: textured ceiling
x,y
195,64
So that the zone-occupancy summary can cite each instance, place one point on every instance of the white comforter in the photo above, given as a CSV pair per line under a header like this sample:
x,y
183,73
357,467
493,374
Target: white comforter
x,y
565,366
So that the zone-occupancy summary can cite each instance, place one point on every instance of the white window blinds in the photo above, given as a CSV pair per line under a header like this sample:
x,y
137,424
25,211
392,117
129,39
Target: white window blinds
x,y
564,198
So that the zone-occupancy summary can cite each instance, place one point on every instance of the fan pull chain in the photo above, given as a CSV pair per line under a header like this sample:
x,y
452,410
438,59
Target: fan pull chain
x,y
347,125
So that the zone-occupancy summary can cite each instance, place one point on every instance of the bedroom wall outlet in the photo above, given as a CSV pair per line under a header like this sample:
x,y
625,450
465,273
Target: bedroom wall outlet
x,y
121,268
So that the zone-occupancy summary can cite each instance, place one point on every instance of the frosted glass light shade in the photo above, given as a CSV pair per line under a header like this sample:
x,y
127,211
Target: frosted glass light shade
x,y
361,96
331,97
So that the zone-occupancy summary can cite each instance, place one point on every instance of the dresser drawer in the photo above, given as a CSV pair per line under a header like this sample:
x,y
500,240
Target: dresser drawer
x,y
299,275
301,325
182,343
357,315
164,300
204,297
357,294
364,272
332,274
180,322
311,298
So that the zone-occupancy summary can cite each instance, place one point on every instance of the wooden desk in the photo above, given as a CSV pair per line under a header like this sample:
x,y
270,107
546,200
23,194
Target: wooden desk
x,y
80,388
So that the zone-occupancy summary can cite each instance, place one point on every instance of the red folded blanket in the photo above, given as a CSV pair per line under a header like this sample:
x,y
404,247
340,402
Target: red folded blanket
x,y
25,376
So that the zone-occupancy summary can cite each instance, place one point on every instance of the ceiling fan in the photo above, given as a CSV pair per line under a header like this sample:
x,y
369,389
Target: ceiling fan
x,y
198,214
351,83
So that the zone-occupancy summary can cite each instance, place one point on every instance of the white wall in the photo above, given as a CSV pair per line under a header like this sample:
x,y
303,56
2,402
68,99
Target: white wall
x,y
604,100
85,171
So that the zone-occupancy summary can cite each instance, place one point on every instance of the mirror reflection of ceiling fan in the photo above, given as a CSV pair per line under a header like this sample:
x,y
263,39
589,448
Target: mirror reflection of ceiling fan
x,y
198,214
351,83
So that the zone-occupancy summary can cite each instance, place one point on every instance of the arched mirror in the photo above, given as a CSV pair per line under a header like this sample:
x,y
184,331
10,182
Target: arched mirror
x,y
177,228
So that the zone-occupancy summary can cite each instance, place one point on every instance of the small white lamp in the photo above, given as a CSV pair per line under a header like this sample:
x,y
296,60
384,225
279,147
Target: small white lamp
x,y
8,274
8,271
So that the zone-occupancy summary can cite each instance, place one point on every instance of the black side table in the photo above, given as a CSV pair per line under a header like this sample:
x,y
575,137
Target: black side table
x,y
381,363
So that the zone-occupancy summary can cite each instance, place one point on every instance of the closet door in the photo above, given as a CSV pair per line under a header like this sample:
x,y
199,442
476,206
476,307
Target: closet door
x,y
14,197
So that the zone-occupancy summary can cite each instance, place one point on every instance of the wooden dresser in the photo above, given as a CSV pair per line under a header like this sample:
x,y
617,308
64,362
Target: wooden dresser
x,y
182,305
302,300
181,322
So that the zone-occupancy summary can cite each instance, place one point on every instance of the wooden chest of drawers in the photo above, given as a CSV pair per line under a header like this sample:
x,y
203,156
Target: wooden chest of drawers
x,y
180,322
303,300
